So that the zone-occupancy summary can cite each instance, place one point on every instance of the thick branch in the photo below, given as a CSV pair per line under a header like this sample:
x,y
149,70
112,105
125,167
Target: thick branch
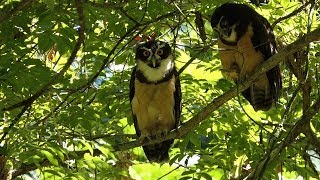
x,y
216,103
295,131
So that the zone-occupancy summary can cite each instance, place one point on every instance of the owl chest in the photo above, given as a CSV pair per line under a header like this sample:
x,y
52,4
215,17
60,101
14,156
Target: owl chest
x,y
241,60
154,102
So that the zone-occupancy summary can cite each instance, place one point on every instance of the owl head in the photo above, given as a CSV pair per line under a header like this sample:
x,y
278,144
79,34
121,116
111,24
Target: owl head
x,y
230,21
152,53
154,60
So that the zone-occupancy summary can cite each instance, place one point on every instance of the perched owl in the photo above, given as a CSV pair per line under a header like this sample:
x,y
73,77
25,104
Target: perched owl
x,y
245,41
155,96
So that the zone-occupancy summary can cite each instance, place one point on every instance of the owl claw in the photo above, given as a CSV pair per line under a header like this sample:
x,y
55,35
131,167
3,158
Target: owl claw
x,y
144,136
230,74
161,133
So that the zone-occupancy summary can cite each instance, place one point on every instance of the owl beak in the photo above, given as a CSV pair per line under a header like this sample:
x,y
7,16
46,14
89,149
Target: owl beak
x,y
154,61
225,32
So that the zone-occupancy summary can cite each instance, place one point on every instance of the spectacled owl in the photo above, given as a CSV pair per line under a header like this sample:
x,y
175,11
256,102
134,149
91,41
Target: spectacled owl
x,y
155,96
245,41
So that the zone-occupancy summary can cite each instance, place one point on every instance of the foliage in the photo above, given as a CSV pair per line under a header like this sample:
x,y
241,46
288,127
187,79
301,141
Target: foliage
x,y
64,76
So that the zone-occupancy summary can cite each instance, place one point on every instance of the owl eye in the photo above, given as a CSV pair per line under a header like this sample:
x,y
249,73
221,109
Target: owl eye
x,y
146,53
160,52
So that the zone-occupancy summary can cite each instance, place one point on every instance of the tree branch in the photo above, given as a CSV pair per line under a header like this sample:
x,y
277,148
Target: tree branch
x,y
17,8
294,132
192,59
28,102
217,102
314,140
293,13
47,86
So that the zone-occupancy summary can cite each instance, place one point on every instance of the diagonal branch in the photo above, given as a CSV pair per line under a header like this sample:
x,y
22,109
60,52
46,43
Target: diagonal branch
x,y
295,131
293,13
47,86
312,137
217,102
28,102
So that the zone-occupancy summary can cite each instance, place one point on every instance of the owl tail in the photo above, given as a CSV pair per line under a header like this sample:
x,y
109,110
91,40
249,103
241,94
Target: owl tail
x,y
260,99
264,92
158,152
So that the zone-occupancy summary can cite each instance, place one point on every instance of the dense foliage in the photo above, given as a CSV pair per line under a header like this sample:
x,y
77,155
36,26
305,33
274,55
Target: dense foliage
x,y
64,75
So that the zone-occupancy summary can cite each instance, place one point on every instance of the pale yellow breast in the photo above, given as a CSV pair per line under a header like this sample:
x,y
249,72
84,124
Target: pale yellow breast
x,y
153,105
245,56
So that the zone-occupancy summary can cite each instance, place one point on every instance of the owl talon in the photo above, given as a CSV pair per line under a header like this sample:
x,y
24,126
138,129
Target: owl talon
x,y
230,74
144,137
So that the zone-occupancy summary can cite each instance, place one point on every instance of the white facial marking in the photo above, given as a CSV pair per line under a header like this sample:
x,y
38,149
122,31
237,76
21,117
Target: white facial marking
x,y
156,74
232,37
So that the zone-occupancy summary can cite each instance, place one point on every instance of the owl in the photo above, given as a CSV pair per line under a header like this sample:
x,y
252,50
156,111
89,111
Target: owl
x,y
155,97
245,41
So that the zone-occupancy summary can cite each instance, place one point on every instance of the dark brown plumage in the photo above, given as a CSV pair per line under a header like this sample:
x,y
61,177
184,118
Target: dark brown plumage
x,y
155,97
245,41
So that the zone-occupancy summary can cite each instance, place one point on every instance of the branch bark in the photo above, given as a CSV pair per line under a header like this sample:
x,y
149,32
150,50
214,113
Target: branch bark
x,y
28,102
217,102
47,86
295,131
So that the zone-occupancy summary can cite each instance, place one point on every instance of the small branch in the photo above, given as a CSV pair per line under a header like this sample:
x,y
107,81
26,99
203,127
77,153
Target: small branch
x,y
108,59
289,104
28,102
192,59
293,13
17,8
47,86
314,140
295,131
14,121
128,16
217,102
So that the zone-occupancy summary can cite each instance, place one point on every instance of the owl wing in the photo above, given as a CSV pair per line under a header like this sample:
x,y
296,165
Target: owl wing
x,y
264,41
131,95
177,99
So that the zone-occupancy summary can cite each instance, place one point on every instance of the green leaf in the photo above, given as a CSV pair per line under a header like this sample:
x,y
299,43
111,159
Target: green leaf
x,y
52,172
50,157
206,176
50,3
45,43
188,172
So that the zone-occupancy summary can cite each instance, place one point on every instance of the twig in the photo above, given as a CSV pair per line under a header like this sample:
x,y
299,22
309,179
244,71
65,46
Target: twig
x,y
28,102
47,86
18,7
14,121
128,16
216,103
295,131
191,60
169,172
293,13
314,140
